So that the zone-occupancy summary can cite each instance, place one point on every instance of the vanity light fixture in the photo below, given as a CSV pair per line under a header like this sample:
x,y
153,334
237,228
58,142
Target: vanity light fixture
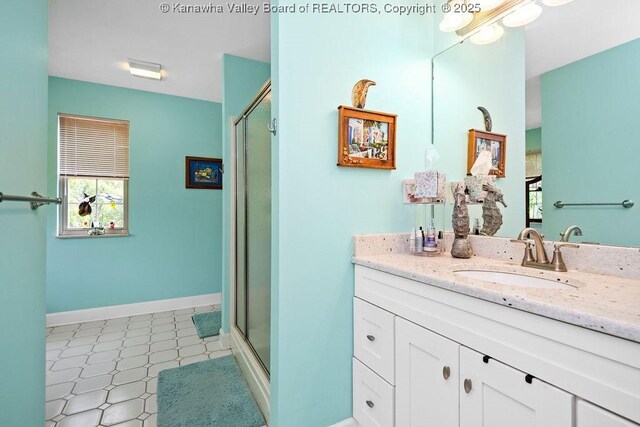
x,y
487,35
454,19
523,15
145,69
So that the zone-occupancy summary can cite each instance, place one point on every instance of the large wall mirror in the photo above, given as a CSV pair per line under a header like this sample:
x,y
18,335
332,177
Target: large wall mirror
x,y
565,90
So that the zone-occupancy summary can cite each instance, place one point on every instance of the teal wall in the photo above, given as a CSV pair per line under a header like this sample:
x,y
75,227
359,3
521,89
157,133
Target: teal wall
x,y
319,206
242,78
175,247
23,166
590,113
467,76
533,139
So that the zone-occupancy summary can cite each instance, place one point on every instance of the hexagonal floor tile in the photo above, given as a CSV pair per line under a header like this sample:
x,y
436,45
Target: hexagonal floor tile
x,y
132,362
76,351
151,405
53,408
191,340
86,401
93,383
58,391
122,412
192,350
98,369
162,345
153,371
127,392
109,345
62,376
103,356
152,421
129,376
70,362
163,356
136,350
83,419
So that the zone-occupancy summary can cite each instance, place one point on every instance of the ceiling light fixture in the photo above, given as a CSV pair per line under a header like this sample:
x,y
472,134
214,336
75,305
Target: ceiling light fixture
x,y
486,5
145,69
454,19
523,15
555,2
487,35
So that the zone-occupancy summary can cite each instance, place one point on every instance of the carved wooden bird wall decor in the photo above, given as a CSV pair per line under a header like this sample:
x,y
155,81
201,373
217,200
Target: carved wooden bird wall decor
x,y
488,124
359,92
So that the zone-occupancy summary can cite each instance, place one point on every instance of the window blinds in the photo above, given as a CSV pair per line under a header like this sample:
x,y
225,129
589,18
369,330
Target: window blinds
x,y
93,147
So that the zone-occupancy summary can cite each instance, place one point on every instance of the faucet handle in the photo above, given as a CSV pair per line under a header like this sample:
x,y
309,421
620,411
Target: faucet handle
x,y
557,262
557,246
528,253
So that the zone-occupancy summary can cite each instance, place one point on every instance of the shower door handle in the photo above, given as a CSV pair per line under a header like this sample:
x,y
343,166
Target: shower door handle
x,y
273,127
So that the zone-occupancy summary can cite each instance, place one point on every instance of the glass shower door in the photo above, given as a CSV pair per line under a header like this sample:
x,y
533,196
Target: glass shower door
x,y
253,261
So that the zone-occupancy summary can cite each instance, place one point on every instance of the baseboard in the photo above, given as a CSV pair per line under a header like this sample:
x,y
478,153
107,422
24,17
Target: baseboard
x,y
125,310
350,422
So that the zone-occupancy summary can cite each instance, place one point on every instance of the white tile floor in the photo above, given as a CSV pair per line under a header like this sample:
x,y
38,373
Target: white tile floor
x,y
105,373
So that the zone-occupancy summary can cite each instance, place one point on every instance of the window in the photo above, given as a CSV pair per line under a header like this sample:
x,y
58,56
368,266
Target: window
x,y
93,176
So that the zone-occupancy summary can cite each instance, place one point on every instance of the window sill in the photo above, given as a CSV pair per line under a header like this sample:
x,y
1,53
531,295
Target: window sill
x,y
97,236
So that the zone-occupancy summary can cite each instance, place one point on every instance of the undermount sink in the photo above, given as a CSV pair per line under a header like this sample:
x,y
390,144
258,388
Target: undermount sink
x,y
513,279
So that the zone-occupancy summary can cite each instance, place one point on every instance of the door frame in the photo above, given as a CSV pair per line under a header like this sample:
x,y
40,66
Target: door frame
x,y
251,367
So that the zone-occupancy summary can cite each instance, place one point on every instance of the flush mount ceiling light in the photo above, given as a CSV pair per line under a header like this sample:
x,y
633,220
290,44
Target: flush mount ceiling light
x,y
486,5
523,15
454,19
555,2
145,69
487,35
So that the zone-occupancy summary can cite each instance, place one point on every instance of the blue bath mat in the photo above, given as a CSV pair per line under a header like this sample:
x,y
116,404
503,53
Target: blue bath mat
x,y
206,394
207,324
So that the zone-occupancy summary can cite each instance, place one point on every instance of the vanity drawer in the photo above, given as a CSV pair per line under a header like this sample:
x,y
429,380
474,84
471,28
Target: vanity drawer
x,y
374,338
373,398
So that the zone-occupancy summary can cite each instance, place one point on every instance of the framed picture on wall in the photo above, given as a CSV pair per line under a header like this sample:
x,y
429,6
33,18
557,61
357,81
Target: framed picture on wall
x,y
203,172
495,143
366,139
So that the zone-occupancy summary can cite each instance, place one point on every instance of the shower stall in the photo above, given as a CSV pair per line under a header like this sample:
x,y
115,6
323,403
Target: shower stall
x,y
251,284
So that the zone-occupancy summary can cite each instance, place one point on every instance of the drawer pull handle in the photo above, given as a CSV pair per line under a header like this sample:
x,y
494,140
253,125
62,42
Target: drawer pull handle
x,y
467,385
370,404
371,338
446,372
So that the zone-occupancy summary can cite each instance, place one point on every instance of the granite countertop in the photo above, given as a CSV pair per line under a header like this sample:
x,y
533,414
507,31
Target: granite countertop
x,y
599,302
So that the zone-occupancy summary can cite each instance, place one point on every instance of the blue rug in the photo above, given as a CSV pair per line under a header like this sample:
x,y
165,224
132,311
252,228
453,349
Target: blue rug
x,y
207,324
206,394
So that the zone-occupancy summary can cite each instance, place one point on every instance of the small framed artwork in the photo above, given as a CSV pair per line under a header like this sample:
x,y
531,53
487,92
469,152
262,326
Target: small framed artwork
x,y
366,139
487,141
203,172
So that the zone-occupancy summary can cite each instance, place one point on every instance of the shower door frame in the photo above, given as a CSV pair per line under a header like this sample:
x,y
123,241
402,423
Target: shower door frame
x,y
250,364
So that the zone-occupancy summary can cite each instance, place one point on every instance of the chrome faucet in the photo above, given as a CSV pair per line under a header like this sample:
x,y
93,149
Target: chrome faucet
x,y
540,260
567,233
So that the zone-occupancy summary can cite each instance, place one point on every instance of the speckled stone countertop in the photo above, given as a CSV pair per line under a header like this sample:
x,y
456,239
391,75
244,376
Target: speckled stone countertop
x,y
603,303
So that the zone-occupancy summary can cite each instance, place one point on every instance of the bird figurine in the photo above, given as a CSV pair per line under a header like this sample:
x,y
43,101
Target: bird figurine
x,y
359,92
488,124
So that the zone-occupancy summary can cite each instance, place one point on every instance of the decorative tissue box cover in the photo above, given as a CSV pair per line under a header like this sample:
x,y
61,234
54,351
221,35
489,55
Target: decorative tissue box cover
x,y
430,184
474,185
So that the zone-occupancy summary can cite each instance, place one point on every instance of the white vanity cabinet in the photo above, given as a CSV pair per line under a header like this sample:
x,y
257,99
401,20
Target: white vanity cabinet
x,y
441,383
463,362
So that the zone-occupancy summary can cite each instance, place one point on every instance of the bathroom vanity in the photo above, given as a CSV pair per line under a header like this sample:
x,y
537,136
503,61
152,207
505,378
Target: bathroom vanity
x,y
436,344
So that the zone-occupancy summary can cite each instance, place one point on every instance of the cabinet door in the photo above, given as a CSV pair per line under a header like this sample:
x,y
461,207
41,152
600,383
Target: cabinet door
x,y
427,377
589,415
493,394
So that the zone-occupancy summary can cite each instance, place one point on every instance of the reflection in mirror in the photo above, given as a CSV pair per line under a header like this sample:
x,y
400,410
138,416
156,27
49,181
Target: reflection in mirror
x,y
580,145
